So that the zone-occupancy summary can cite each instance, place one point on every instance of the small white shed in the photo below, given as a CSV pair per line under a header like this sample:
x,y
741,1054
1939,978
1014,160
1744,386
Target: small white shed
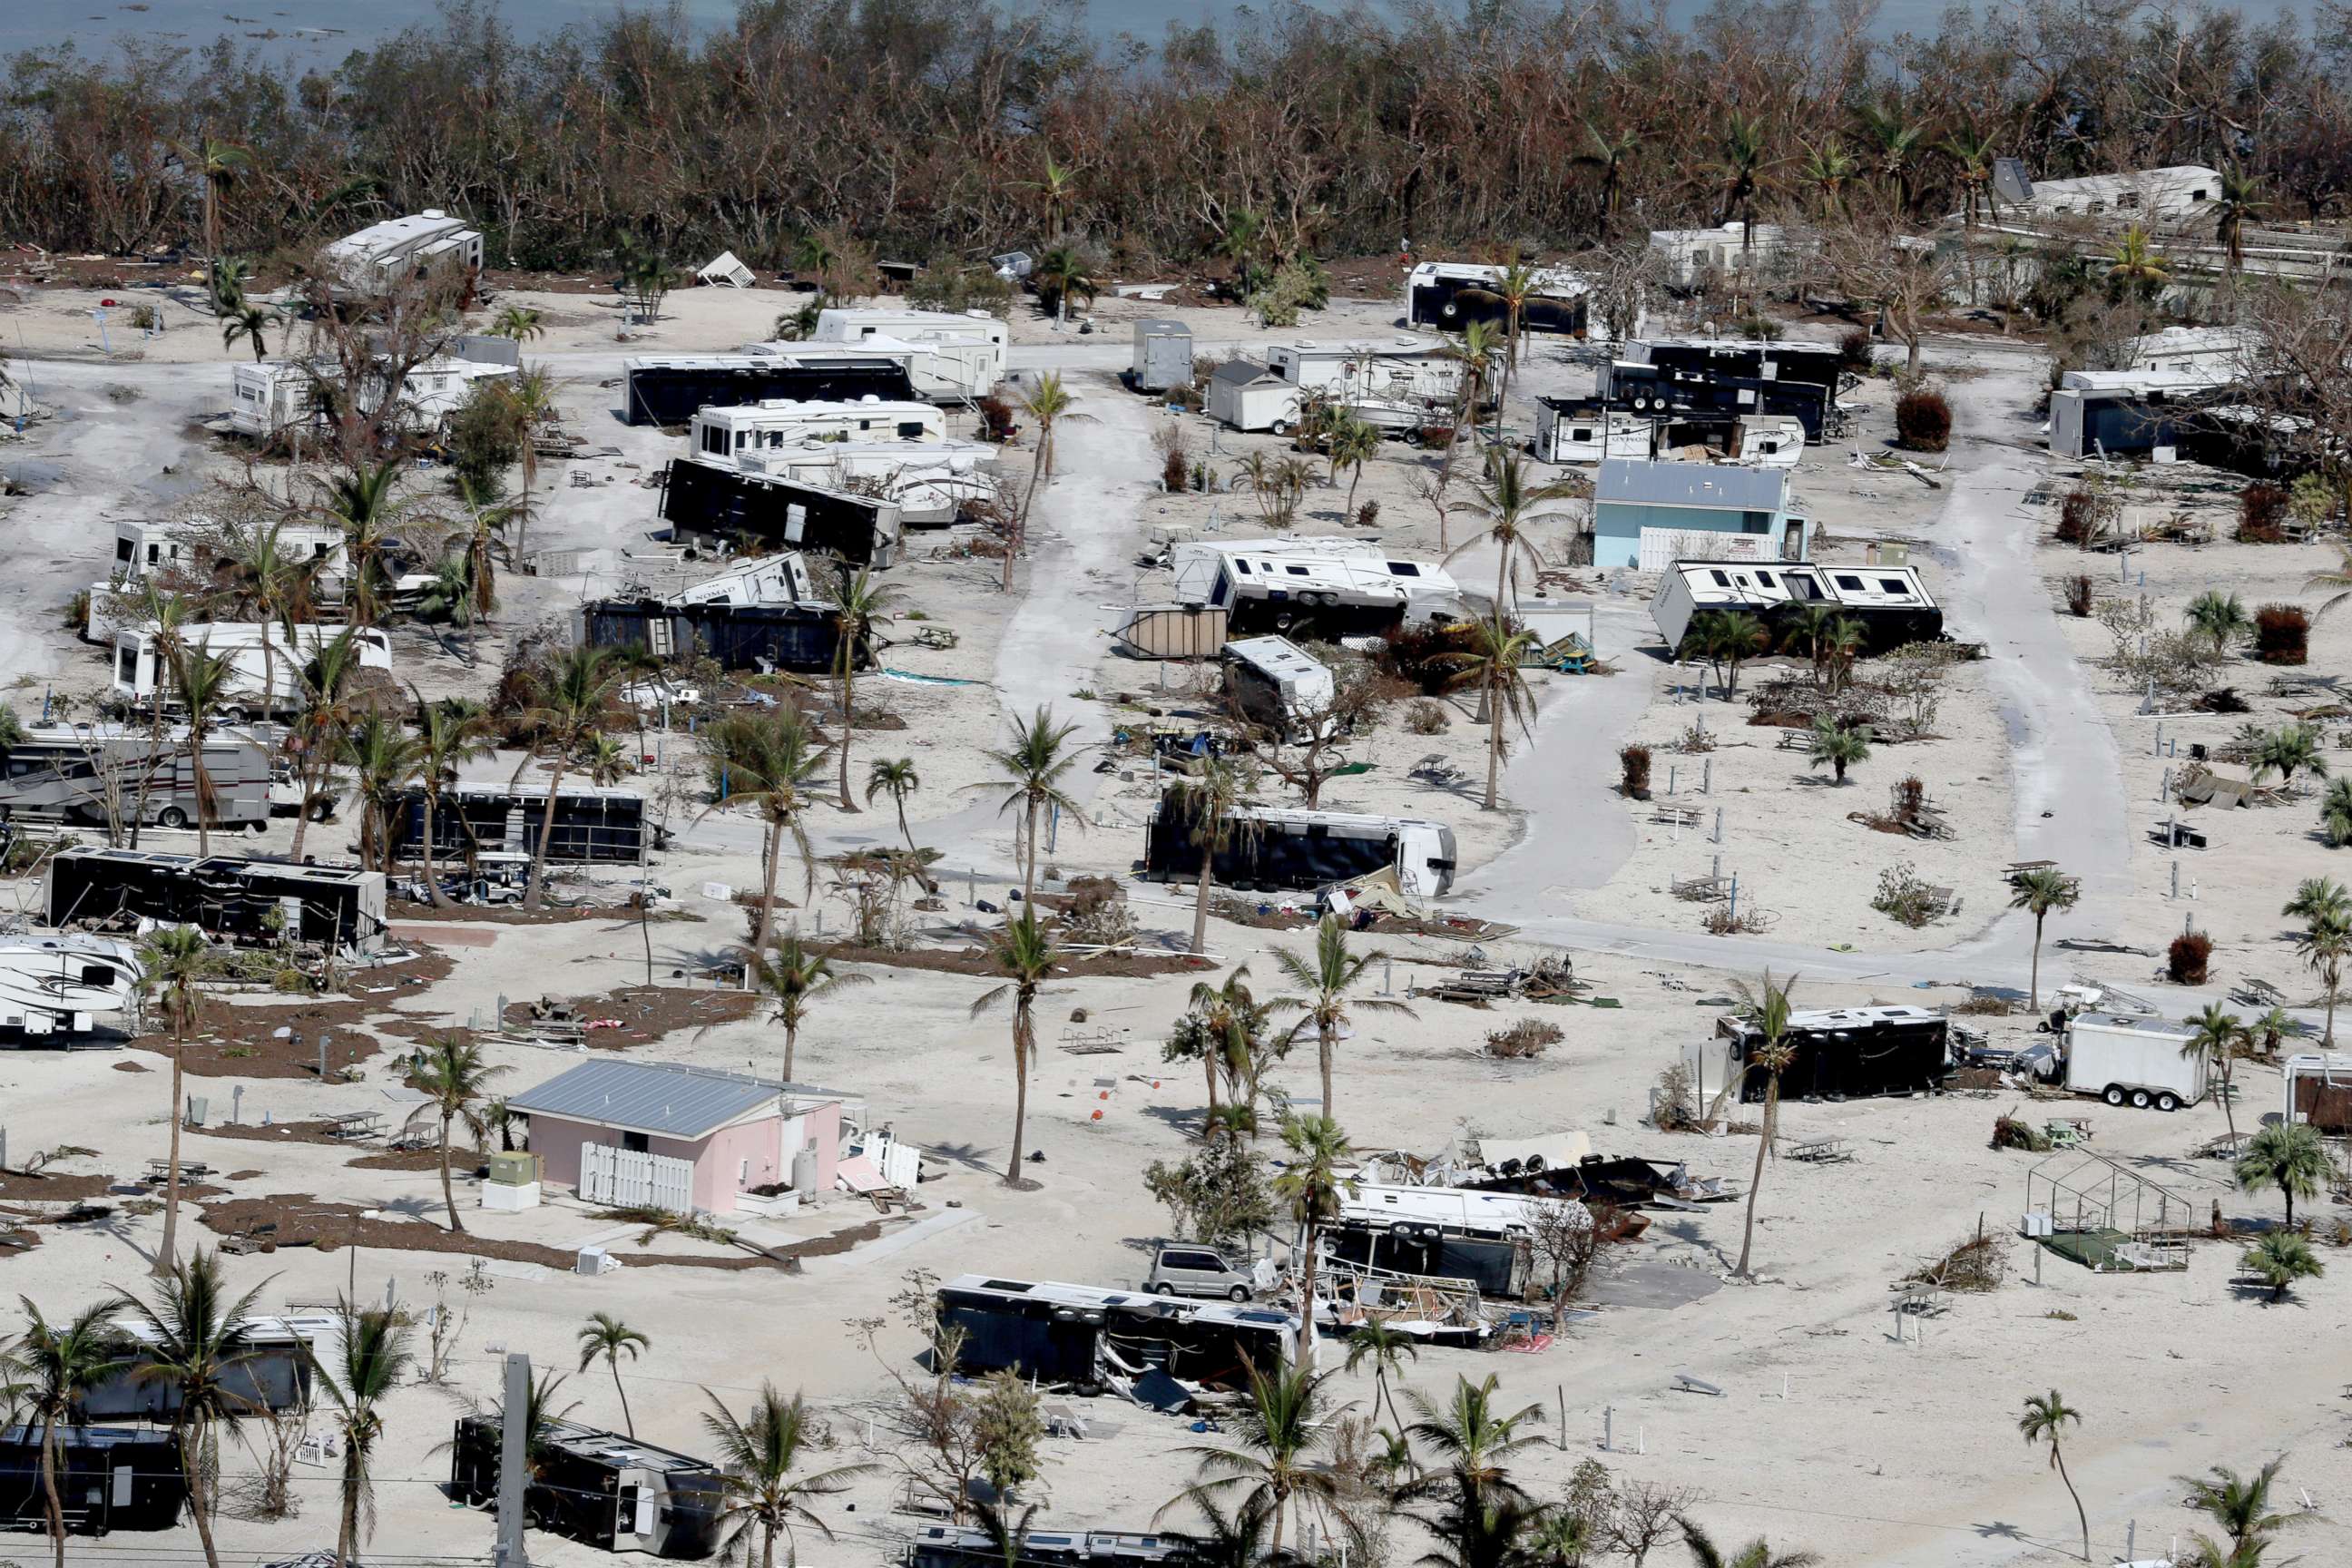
x,y
1248,396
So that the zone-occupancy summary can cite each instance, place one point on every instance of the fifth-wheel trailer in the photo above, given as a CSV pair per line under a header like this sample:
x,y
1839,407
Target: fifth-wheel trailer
x,y
1274,848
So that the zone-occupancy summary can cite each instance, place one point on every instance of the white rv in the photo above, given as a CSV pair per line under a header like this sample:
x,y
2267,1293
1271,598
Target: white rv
x,y
721,434
421,245
1405,370
1276,683
970,348
188,546
931,480
943,372
1585,430
1327,596
143,676
271,398
1891,603
65,984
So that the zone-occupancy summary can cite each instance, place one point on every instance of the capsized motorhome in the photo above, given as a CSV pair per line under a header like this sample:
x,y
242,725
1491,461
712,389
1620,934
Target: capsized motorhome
x,y
1891,603
258,681
67,983
711,500
1277,848
1275,682
1330,596
231,898
768,612
619,1493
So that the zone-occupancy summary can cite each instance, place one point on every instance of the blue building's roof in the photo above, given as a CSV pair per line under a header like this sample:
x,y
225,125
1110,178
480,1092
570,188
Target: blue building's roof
x,y
1627,482
662,1098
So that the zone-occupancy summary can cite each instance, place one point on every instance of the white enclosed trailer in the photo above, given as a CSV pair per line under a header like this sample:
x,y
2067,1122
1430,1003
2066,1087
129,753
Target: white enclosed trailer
x,y
2141,1062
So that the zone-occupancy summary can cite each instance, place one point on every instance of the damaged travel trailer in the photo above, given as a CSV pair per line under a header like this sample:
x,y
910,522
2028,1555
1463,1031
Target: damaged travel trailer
x,y
2318,1085
1842,1053
274,1370
764,613
1319,596
2125,413
593,825
1450,295
955,1546
382,256
1408,371
1662,392
1587,430
271,400
1445,1233
250,902
93,775
1289,849
669,390
1890,603
751,429
1092,1338
598,1487
107,1478
1275,683
259,682
967,349
67,983
709,503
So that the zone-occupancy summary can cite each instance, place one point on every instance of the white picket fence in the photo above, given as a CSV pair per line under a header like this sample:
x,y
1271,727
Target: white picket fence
x,y
626,1179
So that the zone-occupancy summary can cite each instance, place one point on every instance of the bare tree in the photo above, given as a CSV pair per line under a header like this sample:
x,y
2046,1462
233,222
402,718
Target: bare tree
x,y
1901,276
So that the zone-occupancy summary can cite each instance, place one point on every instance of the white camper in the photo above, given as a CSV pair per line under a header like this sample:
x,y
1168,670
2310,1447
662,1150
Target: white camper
x,y
724,434
67,983
142,675
1585,430
421,245
1276,683
2133,1062
969,348
1405,370
931,480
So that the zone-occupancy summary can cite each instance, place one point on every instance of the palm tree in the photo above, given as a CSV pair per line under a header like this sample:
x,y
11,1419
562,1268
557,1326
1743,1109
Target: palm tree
x,y
251,322
896,779
1310,1187
2315,896
1740,167
2325,943
456,1079
1324,983
196,1340
2219,617
449,734
1061,272
217,164
319,729
1352,443
1032,768
1213,794
1810,632
2038,892
1757,1553
756,1456
1236,1540
1472,1440
204,681
1971,152
1053,187
2135,267
1771,1057
1387,1349
1838,745
2336,814
1827,168
519,324
1563,1537
1025,955
2217,1035
275,586
226,280
1475,351
1514,284
533,395
1007,1531
771,759
2279,1258
174,962
2287,748
1498,1533
794,976
1895,140
859,603
2045,1420
2240,1504
1279,1425
605,1335
2338,577
1496,661
1047,403
1610,154
568,706
2238,199
383,759
2289,1156
371,1358
361,504
1725,638
1505,505
48,1372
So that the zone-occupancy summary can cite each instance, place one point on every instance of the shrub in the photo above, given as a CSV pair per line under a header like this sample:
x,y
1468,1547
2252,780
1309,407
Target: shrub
x,y
1423,654
1853,348
2008,1132
2189,958
2281,633
2079,520
1974,1264
1635,762
1427,718
1673,1106
1368,514
2262,510
1761,329
995,418
1923,420
1904,897
2079,595
1527,1039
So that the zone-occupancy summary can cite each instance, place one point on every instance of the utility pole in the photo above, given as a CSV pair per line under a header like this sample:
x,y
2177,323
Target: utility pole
x,y
514,1462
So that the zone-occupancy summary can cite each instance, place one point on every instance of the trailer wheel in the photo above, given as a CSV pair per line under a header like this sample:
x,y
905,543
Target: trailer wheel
x,y
321,809
2114,1095
2167,1103
256,828
2140,1099
171,817
1450,309
1280,427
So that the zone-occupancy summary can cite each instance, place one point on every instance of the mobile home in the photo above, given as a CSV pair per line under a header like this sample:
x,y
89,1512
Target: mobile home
x,y
1645,516
259,681
91,775
1891,603
668,391
1450,295
598,1487
1280,848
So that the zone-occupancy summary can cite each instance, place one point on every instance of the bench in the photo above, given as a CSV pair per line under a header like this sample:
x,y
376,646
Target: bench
x,y
1678,815
351,1124
1823,1151
160,1170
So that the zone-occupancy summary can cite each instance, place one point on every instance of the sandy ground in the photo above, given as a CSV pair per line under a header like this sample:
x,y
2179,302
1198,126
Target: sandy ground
x,y
1829,1435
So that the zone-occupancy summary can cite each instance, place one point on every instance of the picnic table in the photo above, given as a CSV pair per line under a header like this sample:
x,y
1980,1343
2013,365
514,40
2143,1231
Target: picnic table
x,y
1823,1151
1678,815
2019,868
160,1170
1698,888
2174,834
349,1124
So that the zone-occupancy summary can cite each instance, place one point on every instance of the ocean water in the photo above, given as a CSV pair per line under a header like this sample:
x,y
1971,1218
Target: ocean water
x,y
307,33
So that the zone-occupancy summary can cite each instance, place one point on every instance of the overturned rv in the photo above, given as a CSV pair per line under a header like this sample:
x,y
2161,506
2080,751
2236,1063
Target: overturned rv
x,y
593,825
1450,295
1890,604
1323,596
1274,848
92,775
766,613
1446,1233
669,390
1661,392
273,1369
107,1478
954,1546
65,984
1588,430
1081,1335
713,503
1842,1053
621,1494
1274,682
253,903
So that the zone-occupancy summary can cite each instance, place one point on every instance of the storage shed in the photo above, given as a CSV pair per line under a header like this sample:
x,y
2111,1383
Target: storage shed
x,y
1163,355
1248,396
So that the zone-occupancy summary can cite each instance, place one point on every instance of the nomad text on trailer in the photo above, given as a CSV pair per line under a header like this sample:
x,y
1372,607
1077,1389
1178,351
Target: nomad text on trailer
x,y
1278,849
620,1493
669,390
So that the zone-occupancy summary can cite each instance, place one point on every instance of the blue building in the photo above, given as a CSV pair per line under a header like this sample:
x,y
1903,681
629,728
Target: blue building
x,y
1646,515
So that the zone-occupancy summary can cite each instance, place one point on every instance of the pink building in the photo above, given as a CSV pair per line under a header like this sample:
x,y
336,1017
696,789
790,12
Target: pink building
x,y
628,1131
